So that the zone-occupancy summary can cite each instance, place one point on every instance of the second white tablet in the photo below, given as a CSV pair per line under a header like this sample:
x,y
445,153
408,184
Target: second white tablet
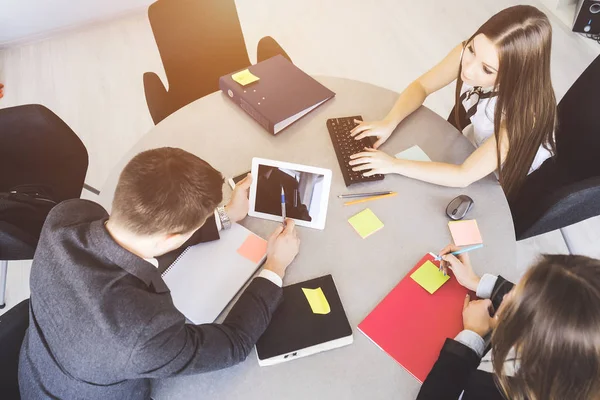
x,y
306,192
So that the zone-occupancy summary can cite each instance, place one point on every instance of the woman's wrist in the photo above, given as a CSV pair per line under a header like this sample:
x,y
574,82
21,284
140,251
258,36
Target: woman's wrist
x,y
473,283
391,122
398,166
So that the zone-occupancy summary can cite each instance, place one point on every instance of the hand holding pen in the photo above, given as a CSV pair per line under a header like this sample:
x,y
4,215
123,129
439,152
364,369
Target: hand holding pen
x,y
460,265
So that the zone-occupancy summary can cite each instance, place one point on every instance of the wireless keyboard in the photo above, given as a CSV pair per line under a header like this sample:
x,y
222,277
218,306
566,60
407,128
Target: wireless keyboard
x,y
345,146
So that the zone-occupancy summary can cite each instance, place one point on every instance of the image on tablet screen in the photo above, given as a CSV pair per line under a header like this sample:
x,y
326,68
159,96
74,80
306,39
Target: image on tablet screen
x,y
303,191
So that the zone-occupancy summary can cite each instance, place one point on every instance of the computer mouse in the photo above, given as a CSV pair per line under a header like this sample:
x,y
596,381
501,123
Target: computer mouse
x,y
459,207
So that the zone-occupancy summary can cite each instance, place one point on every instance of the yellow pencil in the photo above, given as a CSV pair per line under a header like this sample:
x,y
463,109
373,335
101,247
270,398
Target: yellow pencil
x,y
350,203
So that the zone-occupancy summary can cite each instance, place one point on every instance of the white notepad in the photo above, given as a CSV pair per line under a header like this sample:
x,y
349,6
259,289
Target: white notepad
x,y
414,153
207,276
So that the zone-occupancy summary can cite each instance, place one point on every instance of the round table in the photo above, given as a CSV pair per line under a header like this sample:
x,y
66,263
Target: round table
x,y
365,270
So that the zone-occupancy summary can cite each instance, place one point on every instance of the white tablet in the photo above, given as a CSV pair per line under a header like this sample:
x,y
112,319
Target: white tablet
x,y
306,192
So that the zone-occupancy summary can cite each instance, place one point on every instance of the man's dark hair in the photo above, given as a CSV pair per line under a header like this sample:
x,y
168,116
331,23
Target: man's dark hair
x,y
166,190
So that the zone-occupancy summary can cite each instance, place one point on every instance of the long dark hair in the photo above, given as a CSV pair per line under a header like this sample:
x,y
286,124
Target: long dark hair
x,y
553,323
526,104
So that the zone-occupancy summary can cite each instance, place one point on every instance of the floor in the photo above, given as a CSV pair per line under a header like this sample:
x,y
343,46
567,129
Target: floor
x,y
92,77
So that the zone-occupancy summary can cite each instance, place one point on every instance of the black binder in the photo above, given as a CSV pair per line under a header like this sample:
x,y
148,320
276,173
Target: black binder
x,y
283,95
295,331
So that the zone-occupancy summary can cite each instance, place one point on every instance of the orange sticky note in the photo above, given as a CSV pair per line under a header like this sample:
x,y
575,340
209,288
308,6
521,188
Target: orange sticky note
x,y
254,248
465,232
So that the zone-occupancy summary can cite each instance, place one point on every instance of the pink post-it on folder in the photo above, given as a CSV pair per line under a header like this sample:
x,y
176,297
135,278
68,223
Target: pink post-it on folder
x,y
254,248
465,232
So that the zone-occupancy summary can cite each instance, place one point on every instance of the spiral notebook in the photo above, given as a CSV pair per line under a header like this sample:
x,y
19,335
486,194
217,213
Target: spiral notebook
x,y
206,277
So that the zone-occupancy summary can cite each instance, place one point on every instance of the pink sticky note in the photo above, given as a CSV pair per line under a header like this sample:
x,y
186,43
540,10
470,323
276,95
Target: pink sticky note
x,y
465,232
254,248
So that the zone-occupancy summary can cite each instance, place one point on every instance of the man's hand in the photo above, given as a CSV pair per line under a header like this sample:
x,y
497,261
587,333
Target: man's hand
x,y
238,205
476,316
282,248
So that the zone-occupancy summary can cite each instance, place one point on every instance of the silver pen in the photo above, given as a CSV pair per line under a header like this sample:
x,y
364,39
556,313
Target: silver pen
x,y
283,205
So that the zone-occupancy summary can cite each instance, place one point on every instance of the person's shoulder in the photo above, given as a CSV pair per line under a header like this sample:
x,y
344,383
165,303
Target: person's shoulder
x,y
75,211
481,385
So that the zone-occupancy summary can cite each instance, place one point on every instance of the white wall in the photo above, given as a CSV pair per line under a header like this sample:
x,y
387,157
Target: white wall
x,y
27,19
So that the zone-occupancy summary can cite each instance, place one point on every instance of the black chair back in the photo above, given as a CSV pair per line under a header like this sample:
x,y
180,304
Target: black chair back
x,y
199,41
578,131
13,325
566,188
38,148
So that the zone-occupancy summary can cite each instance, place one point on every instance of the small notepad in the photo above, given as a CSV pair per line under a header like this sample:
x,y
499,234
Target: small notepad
x,y
465,233
429,277
365,223
414,153
317,300
254,248
244,77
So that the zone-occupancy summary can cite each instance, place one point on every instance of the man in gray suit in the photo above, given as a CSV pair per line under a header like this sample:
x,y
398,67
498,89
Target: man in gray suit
x,y
102,321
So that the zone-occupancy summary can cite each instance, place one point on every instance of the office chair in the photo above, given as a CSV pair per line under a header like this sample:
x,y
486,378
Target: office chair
x,y
199,41
13,325
44,162
566,188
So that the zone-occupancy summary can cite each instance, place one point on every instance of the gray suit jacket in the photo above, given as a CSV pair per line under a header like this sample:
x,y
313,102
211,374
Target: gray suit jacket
x,y
102,321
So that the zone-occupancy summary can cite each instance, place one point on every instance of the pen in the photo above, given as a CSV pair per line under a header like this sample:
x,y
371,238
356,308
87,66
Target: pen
x,y
350,203
461,251
283,205
351,195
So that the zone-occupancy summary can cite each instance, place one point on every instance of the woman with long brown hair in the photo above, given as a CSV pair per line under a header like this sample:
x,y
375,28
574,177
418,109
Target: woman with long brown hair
x,y
505,105
545,335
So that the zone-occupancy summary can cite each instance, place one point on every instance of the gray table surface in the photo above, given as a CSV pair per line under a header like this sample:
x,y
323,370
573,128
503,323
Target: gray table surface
x,y
219,132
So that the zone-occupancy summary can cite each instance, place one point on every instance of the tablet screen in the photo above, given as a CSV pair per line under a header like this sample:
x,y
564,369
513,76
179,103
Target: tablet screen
x,y
303,192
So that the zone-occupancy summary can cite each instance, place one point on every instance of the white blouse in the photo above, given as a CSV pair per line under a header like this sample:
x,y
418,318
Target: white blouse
x,y
482,120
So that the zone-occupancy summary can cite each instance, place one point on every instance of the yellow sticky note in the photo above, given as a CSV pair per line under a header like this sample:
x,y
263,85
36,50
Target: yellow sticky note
x,y
429,277
244,77
365,223
316,299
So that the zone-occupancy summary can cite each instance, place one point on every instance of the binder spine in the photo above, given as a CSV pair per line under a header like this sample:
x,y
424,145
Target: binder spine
x,y
234,95
174,262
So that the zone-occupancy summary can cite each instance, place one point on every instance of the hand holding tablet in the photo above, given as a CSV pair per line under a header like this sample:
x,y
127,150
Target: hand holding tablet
x,y
306,191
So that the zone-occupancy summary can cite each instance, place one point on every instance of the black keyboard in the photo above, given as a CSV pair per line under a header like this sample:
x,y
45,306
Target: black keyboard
x,y
345,146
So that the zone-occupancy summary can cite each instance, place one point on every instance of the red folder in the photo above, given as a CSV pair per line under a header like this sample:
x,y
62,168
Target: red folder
x,y
411,325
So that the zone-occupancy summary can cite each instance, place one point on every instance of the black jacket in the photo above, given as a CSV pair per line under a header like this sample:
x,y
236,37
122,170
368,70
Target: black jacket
x,y
456,368
102,321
